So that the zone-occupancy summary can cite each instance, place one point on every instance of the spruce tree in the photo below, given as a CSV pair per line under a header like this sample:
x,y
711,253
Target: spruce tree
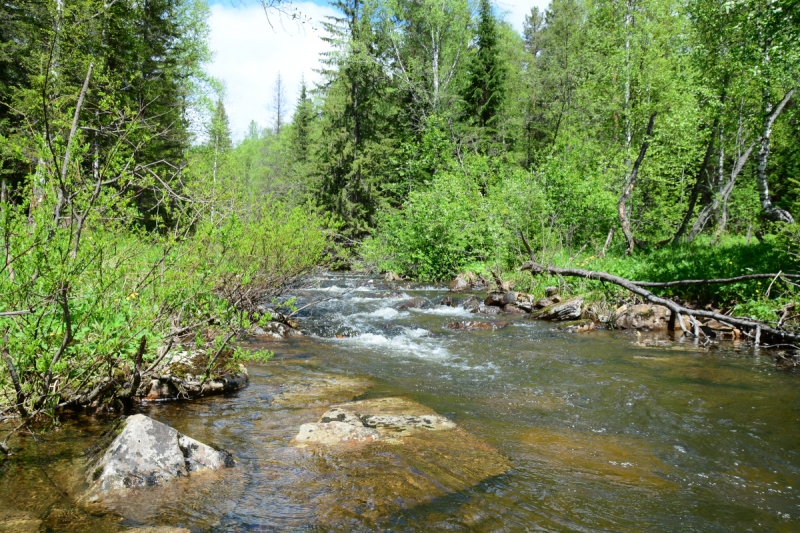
x,y
348,158
486,89
301,123
219,131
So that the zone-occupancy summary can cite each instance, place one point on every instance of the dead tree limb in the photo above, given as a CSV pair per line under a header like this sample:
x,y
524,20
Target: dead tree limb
x,y
630,183
677,310
719,281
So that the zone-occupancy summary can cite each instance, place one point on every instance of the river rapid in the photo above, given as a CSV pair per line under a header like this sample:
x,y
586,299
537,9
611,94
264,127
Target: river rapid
x,y
604,431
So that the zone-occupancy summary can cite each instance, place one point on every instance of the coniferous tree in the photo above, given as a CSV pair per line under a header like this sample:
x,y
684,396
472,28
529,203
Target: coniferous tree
x,y
486,72
349,157
301,124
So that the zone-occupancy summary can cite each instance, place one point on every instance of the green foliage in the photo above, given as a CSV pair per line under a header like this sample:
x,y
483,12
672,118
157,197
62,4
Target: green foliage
x,y
459,219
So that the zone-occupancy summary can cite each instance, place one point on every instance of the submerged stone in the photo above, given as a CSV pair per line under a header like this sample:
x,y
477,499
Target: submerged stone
x,y
306,389
18,522
146,452
413,456
157,529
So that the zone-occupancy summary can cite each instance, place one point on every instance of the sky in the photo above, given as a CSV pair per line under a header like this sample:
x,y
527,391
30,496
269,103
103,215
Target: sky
x,y
249,53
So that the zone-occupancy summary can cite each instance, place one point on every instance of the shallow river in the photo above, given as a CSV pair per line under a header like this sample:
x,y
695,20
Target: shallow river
x,y
603,431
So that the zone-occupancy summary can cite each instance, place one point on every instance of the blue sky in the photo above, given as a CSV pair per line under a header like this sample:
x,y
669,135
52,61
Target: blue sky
x,y
249,52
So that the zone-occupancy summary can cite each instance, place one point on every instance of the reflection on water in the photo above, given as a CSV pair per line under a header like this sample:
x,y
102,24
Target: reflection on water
x,y
602,431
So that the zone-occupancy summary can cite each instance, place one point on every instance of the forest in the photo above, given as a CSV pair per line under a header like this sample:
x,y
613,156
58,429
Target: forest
x,y
650,139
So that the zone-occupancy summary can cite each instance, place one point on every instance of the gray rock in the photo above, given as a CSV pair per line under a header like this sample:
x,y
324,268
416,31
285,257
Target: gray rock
x,y
513,309
541,303
471,304
406,423
527,307
341,426
550,291
489,310
147,452
334,432
413,303
494,299
392,276
510,297
569,310
277,330
459,284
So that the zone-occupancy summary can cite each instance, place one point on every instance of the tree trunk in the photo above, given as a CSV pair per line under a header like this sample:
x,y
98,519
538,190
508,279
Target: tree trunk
x,y
769,211
629,186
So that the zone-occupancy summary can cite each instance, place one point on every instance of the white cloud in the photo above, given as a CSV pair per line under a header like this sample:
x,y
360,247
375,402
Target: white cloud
x,y
249,54
516,10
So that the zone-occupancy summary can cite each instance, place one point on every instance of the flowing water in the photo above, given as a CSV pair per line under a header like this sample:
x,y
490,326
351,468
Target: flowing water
x,y
602,431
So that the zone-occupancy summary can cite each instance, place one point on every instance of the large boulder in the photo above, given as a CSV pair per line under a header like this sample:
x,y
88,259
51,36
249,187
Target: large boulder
x,y
146,452
642,316
569,310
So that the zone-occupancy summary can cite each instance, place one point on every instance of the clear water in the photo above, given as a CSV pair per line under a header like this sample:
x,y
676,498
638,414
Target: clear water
x,y
604,431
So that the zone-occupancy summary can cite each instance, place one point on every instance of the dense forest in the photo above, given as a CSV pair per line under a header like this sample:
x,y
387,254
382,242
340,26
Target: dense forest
x,y
650,138
440,134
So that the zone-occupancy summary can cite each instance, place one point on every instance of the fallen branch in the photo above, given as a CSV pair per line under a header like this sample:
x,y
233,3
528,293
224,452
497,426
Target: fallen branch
x,y
737,279
677,310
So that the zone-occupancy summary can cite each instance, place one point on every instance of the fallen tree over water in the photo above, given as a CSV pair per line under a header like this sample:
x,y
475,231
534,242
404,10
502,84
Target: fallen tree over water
x,y
752,328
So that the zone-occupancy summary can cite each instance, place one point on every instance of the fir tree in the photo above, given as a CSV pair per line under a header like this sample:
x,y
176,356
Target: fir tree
x,y
301,122
485,90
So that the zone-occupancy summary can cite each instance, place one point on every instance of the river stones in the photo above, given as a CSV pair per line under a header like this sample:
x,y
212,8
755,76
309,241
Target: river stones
x,y
476,326
171,387
276,330
146,452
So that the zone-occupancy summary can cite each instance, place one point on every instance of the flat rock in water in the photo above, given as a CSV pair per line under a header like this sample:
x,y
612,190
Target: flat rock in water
x,y
146,452
18,522
569,310
334,432
476,326
157,529
307,389
414,456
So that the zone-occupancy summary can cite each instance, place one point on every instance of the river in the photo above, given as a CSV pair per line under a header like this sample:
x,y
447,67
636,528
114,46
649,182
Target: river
x,y
604,431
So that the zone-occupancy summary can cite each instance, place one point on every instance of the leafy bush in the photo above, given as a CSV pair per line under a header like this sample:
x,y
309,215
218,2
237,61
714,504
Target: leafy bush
x,y
460,218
